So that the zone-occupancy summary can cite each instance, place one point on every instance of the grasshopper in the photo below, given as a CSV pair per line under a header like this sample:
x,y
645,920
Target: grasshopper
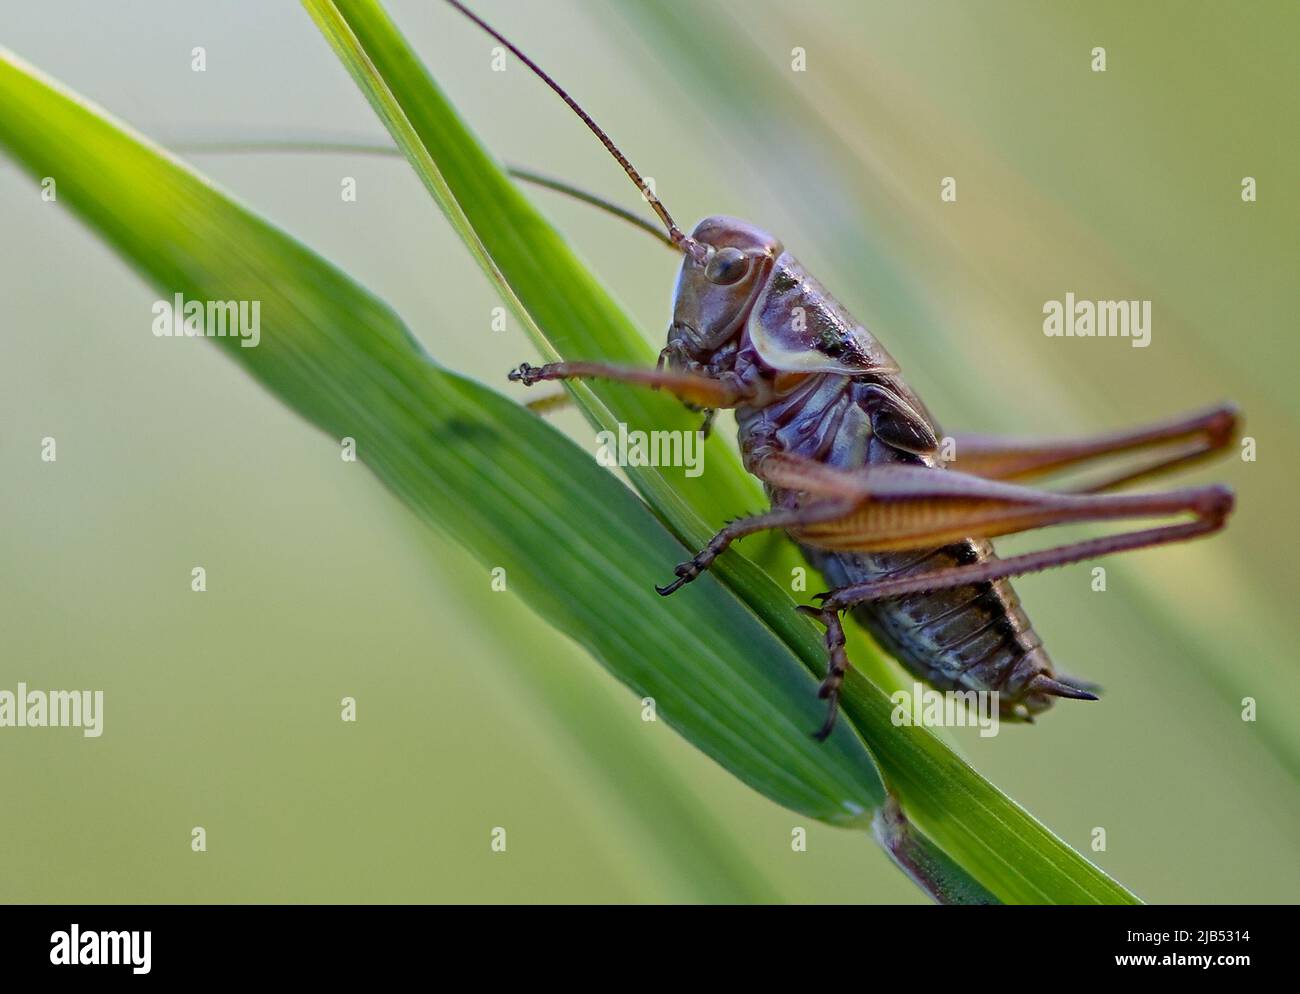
x,y
850,458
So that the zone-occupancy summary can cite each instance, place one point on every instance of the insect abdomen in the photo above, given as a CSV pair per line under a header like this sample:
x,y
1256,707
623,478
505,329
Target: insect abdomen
x,y
975,637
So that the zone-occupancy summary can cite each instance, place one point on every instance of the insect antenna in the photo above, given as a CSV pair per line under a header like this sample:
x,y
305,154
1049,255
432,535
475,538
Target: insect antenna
x,y
333,147
679,238
577,193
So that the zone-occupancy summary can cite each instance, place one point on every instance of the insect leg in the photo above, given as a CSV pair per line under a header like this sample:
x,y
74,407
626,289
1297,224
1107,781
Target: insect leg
x,y
915,507
1178,441
1207,522
702,391
822,510
901,506
837,664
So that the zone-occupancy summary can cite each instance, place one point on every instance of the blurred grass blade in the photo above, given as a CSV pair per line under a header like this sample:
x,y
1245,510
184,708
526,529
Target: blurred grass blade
x,y
569,314
345,361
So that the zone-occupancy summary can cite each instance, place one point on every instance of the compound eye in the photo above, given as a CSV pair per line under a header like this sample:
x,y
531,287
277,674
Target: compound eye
x,y
726,266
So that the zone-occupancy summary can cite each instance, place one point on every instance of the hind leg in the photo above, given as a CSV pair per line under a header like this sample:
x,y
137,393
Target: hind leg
x,y
837,664
1163,446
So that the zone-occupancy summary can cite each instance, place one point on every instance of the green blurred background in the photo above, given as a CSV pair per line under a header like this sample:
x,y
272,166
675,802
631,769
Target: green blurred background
x,y
222,708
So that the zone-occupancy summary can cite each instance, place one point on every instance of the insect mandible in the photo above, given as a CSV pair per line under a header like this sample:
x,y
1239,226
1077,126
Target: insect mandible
x,y
850,459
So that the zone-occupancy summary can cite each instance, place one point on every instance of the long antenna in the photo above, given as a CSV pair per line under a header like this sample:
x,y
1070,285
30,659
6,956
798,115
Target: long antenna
x,y
327,146
577,193
679,238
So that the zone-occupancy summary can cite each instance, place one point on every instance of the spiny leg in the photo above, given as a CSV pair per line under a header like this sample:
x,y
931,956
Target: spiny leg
x,y
898,506
822,510
837,664
1209,507
1031,562
1178,442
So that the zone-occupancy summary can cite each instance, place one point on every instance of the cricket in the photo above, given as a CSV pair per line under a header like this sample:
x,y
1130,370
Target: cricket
x,y
851,461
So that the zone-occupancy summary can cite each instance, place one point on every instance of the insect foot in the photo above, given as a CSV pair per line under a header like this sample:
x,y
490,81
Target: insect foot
x,y
685,573
526,374
837,665
702,560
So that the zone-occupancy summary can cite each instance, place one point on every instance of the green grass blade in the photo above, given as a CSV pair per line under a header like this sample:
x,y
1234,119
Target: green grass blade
x,y
559,303
571,315
344,360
